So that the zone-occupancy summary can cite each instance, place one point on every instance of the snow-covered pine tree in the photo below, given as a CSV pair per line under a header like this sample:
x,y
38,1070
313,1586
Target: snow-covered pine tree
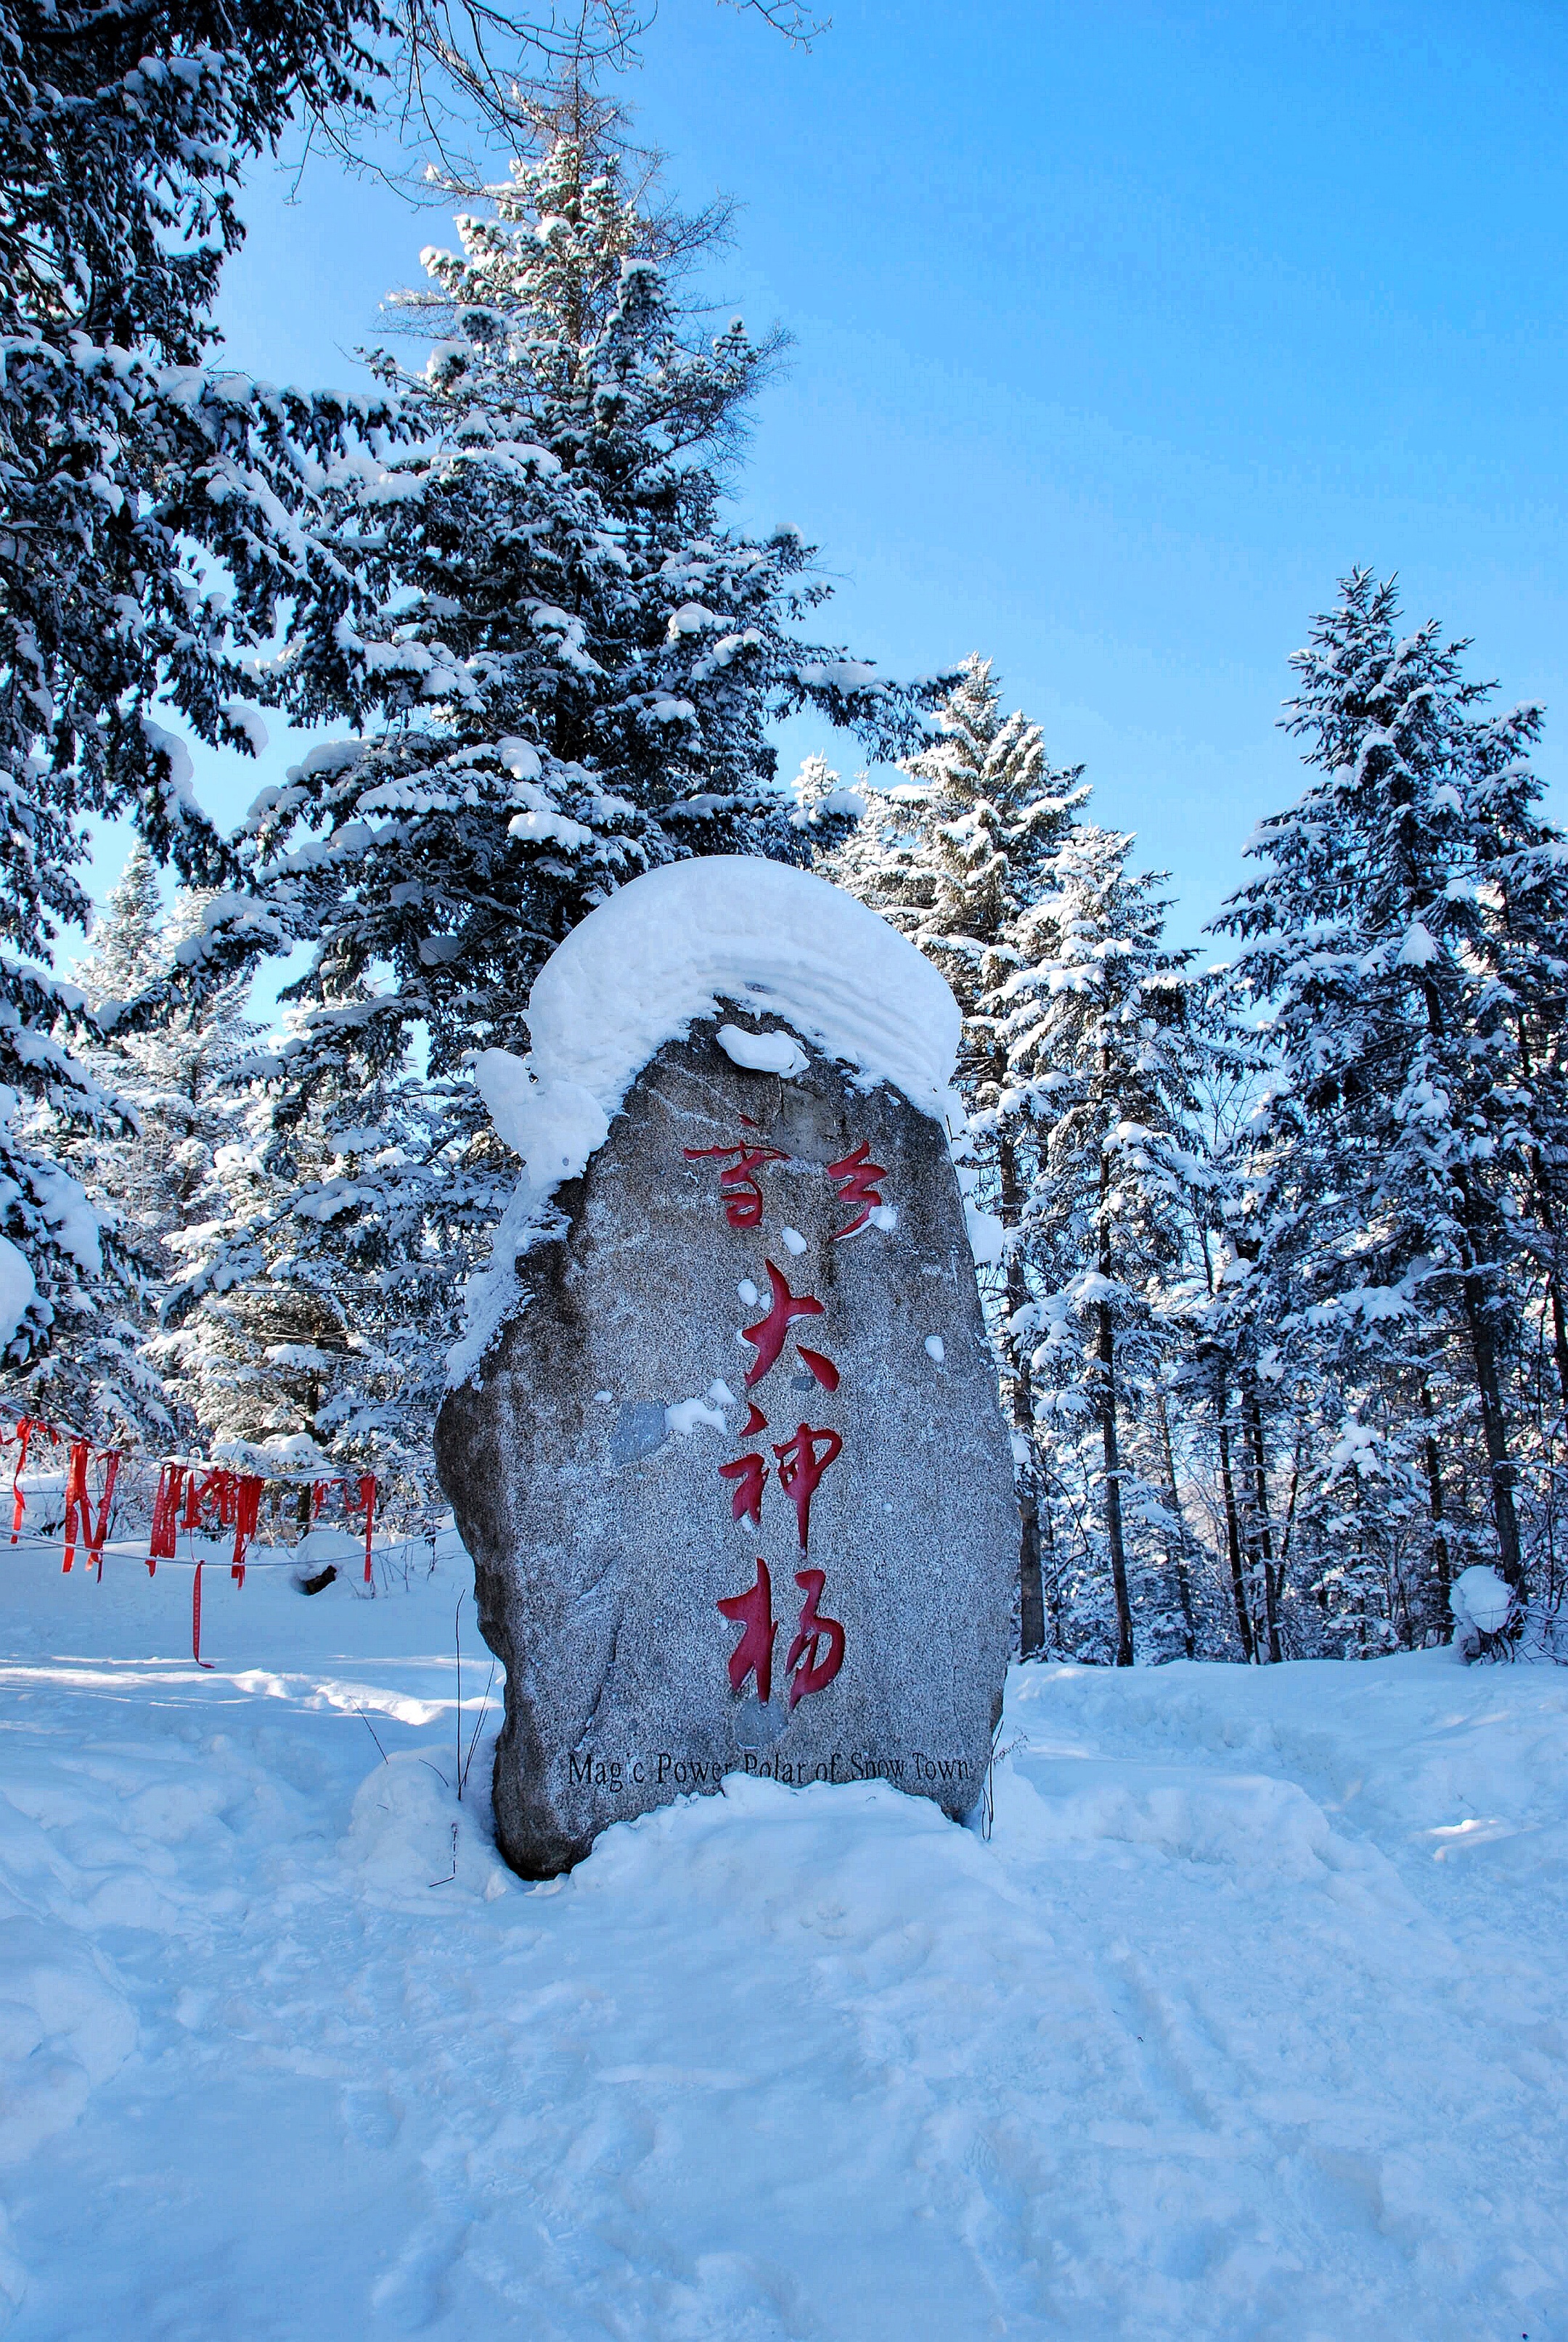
x,y
1300,1410
1402,999
826,810
1104,1055
315,1299
171,1079
955,857
153,512
574,665
571,670
149,516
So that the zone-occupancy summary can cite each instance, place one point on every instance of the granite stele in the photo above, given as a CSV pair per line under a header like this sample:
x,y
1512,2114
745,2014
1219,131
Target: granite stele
x,y
723,1440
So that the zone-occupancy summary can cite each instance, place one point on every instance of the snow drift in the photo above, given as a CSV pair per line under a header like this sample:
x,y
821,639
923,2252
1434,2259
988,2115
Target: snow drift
x,y
1246,2023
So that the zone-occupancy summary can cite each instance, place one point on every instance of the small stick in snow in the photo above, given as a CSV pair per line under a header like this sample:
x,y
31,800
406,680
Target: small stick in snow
x,y
371,1729
478,1727
453,1872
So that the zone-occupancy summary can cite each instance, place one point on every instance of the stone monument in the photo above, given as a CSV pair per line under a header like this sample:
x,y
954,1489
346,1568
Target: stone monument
x,y
724,1443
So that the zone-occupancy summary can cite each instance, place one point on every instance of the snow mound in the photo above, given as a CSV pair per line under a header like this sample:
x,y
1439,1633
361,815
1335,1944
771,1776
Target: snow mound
x,y
1479,1599
408,1834
64,2029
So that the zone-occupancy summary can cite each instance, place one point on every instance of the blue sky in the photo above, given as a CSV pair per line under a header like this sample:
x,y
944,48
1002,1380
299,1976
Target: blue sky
x,y
1120,333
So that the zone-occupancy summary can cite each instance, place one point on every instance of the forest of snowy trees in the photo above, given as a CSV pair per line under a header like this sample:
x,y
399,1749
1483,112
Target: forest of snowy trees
x,y
1279,1305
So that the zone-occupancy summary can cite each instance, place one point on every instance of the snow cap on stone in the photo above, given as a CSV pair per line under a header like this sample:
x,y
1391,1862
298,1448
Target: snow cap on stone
x,y
674,946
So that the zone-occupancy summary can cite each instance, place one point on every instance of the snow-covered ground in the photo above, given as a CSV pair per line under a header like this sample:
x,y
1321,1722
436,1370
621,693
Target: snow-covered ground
x,y
1248,2021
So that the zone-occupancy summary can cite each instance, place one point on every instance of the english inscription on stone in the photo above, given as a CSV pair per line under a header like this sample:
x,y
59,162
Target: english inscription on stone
x,y
733,1474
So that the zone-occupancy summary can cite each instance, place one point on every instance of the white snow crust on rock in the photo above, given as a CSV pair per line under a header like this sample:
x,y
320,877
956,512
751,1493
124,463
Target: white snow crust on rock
x,y
762,1053
677,944
1245,2025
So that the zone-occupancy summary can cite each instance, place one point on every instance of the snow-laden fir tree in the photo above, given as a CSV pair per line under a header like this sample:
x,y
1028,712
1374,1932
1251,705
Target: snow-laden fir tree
x,y
173,1074
156,511
571,673
826,810
564,675
1407,982
171,1079
313,1296
955,857
1103,1057
152,513
1298,1407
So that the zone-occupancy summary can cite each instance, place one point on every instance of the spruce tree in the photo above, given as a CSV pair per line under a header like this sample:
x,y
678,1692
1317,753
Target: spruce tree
x,y
1103,1061
152,515
1389,937
156,511
313,1296
138,1172
563,663
955,857
571,674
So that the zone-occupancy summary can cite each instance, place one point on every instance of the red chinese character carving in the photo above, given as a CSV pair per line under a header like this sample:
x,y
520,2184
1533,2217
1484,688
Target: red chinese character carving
x,y
807,1673
800,1467
742,1198
753,1613
767,1335
755,1421
858,1175
824,1370
748,1472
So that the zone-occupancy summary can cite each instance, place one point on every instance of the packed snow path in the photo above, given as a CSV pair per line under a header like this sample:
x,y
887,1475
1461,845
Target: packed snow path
x,y
1248,2021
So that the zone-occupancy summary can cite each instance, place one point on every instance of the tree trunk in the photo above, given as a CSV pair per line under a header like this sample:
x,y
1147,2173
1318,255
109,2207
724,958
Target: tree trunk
x,y
1483,1354
1493,1424
1233,1542
1031,1588
1549,1222
1442,1566
1049,1572
1559,1326
1114,1487
1108,1417
1291,1507
1174,1506
1263,1533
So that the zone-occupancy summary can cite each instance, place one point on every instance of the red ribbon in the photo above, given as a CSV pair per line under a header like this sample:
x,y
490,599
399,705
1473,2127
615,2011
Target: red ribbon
x,y
95,1535
186,1494
367,1498
25,1427
166,1515
78,1506
247,1504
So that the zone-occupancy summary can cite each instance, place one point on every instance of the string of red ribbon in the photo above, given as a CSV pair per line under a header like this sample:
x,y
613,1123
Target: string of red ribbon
x,y
197,1497
81,1523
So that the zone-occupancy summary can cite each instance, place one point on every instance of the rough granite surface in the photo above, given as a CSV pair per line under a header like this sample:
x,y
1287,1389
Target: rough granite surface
x,y
604,1538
